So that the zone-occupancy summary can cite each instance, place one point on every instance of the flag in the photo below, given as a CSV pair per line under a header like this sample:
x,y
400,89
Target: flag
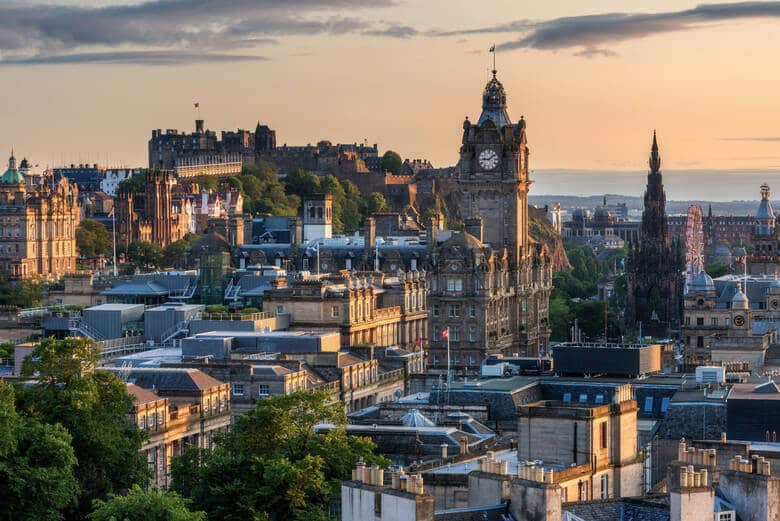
x,y
419,341
492,48
446,333
197,104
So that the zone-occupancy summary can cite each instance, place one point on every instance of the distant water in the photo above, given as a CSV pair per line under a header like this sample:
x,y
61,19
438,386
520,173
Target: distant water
x,y
700,185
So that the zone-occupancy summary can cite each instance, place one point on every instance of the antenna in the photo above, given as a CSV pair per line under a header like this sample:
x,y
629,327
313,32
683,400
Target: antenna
x,y
493,51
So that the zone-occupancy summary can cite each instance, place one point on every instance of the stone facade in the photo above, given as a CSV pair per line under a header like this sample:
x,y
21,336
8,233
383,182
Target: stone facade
x,y
490,283
37,226
157,214
655,265
367,307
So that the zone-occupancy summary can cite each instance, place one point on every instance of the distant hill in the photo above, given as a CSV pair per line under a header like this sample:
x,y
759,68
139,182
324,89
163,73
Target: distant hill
x,y
571,202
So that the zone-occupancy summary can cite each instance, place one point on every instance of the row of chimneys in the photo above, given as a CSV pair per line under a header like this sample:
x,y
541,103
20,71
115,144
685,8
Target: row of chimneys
x,y
489,464
690,478
755,465
375,476
696,457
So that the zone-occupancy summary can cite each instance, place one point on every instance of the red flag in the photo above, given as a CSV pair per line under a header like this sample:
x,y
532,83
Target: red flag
x,y
446,333
419,341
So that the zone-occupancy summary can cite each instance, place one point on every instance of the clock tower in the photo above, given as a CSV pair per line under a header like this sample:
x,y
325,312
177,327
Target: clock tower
x,y
493,177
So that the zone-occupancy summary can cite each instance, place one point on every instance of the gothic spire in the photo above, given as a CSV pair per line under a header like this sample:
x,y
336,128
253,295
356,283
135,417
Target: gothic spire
x,y
655,157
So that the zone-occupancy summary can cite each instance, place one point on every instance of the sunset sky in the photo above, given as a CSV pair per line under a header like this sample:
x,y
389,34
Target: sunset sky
x,y
87,81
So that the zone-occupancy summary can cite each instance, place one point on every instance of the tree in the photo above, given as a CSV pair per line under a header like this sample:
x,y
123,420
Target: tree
x,y
376,203
36,465
265,193
93,239
330,185
138,505
144,255
206,182
272,465
173,255
93,406
134,184
353,199
233,183
392,162
302,183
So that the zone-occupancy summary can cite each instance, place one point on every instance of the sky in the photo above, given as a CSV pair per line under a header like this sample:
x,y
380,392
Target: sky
x,y
87,81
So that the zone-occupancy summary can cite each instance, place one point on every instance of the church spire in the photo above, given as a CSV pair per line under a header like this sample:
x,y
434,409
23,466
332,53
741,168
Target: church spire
x,y
655,157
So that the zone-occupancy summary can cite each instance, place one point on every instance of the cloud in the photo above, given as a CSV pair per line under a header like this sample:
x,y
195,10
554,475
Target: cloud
x,y
593,33
133,58
33,32
761,139
595,53
395,31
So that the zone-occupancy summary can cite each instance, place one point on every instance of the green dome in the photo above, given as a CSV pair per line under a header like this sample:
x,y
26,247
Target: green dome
x,y
12,176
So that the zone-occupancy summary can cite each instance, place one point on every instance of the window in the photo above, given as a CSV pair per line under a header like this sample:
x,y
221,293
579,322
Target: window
x,y
262,390
454,284
455,310
435,310
603,437
238,389
715,321
699,321
648,404
141,422
334,312
687,321
472,360
455,332
664,404
436,333
605,486
583,398
414,264
472,311
279,309
567,397
699,341
599,398
473,334
348,264
152,418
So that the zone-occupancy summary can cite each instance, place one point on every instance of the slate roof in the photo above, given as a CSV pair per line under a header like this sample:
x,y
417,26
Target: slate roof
x,y
141,395
498,512
142,288
168,380
624,509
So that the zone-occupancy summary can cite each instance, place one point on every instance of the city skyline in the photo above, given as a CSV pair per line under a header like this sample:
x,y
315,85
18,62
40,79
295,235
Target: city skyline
x,y
322,70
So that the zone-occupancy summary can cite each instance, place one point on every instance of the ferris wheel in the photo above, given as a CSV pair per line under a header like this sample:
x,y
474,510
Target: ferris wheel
x,y
694,244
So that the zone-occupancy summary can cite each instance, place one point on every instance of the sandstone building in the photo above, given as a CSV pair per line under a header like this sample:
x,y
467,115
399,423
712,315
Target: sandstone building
x,y
37,225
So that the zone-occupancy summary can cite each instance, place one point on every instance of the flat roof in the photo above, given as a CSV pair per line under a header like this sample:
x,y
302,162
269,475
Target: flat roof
x,y
510,456
114,307
264,334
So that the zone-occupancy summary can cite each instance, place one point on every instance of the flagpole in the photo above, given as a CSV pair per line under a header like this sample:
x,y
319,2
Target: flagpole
x,y
449,372
113,228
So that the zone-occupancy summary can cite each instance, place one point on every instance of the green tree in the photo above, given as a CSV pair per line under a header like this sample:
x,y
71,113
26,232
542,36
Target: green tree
x,y
138,505
392,162
302,183
173,255
272,465
330,185
36,465
7,349
144,255
93,406
265,193
134,184
717,270
28,292
350,213
206,182
376,204
233,183
93,239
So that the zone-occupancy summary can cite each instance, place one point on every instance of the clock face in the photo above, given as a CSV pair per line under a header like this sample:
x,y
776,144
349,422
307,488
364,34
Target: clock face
x,y
488,159
739,321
